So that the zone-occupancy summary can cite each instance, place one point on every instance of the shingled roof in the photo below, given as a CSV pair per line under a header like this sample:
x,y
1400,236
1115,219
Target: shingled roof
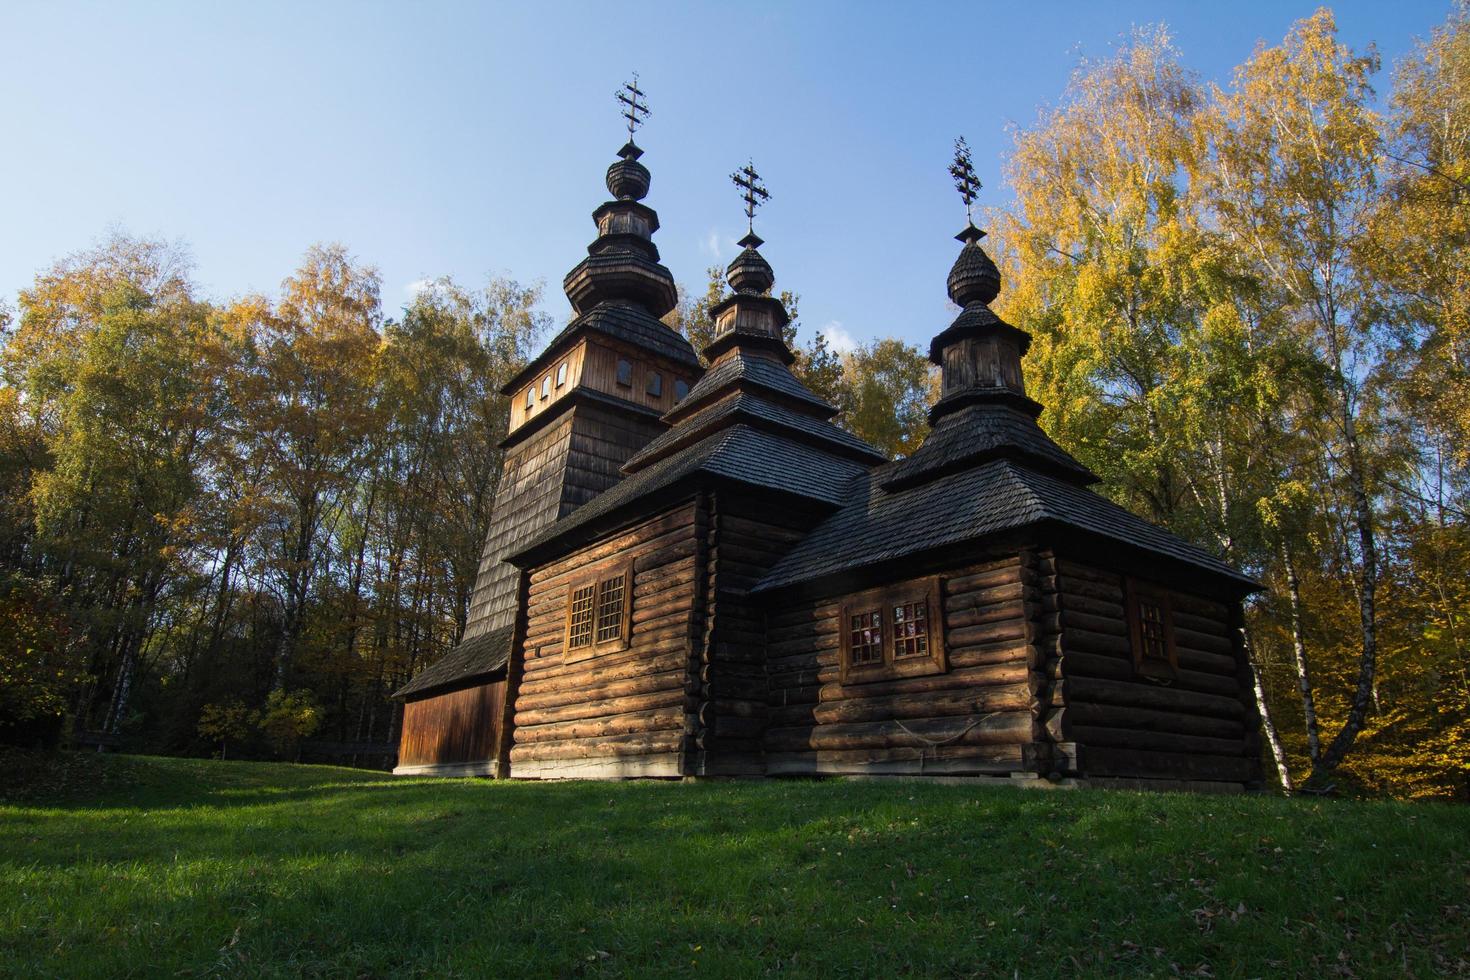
x,y
876,525
738,454
473,661
751,372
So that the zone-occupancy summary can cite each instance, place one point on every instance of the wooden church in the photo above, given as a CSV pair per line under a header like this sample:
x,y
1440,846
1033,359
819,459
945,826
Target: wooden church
x,y
694,572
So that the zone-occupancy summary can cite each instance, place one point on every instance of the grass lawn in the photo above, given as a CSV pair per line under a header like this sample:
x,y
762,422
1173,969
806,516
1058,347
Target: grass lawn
x,y
131,866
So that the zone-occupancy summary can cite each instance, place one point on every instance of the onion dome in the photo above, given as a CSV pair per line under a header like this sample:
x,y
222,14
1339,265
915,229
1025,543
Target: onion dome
x,y
622,265
750,273
628,180
974,277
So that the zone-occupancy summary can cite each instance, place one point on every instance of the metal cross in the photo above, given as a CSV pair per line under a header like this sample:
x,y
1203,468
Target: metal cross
x,y
965,181
755,193
635,110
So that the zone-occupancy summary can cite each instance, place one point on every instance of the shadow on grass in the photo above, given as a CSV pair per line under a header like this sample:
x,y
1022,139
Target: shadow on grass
x,y
326,871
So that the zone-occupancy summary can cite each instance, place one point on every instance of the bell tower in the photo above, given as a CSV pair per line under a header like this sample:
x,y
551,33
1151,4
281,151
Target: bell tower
x,y
586,404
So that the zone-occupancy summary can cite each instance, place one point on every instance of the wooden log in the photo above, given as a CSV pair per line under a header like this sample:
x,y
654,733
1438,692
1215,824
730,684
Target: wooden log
x,y
998,728
602,709
1132,738
1058,724
1200,606
1012,592
1010,673
791,716
532,698
1001,697
1205,642
670,526
1177,765
760,528
801,616
670,718
800,632
1202,624
1011,629
807,694
1087,641
980,758
674,601
642,743
1143,695
1148,719
1110,593
1073,619
980,615
1208,663
1074,569
683,548
1006,574
657,579
1005,651
1080,603
1092,665
600,670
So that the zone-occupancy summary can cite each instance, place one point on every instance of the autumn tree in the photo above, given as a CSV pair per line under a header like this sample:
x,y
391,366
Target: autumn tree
x,y
312,406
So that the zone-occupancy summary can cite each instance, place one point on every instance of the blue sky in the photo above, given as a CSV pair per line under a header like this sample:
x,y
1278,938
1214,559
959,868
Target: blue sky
x,y
467,139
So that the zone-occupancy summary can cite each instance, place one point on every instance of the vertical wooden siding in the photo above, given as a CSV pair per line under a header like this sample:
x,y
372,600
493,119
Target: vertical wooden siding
x,y
620,713
981,716
461,726
1200,726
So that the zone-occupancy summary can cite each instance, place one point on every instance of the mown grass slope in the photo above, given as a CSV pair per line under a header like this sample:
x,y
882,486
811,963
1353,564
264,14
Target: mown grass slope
x,y
150,867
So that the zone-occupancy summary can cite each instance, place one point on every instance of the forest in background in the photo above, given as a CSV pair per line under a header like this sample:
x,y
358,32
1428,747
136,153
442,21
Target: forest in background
x,y
231,526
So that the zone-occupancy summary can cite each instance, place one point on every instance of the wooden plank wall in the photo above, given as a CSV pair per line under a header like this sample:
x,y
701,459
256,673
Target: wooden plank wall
x,y
744,539
1200,727
573,359
979,717
601,368
461,726
620,713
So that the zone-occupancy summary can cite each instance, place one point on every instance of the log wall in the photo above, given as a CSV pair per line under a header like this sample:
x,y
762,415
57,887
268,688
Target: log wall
x,y
621,712
1197,726
743,538
451,731
981,716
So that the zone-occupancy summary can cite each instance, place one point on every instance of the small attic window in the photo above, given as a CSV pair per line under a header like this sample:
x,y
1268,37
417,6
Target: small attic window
x,y
561,374
546,387
530,397
1151,629
681,389
625,372
655,384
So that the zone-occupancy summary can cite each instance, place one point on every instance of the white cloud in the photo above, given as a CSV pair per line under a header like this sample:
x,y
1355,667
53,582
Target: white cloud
x,y
418,286
711,245
837,337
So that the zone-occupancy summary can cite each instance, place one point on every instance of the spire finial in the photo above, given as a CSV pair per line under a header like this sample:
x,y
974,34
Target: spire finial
x,y
965,181
754,192
635,109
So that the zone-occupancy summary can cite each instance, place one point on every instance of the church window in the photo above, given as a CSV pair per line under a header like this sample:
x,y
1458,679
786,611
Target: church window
x,y
531,397
625,373
598,613
655,384
546,387
580,615
681,390
1151,629
561,374
891,632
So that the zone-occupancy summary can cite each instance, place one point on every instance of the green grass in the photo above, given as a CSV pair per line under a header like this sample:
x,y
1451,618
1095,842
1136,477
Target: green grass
x,y
154,867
